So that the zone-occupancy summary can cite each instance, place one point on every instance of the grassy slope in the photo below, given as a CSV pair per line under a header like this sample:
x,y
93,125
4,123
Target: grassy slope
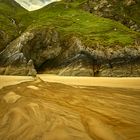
x,y
68,19
8,11
134,12
12,17
131,12
118,8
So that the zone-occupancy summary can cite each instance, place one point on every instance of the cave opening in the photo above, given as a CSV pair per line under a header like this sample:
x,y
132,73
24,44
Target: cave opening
x,y
46,66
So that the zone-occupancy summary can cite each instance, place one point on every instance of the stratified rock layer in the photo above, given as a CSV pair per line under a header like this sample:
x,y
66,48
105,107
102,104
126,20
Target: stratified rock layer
x,y
46,51
31,48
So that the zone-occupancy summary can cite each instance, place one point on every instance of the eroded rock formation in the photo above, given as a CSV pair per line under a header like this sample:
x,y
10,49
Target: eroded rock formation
x,y
46,51
31,49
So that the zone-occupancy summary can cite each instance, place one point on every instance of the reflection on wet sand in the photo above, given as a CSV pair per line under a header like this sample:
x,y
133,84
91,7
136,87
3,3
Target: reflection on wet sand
x,y
38,110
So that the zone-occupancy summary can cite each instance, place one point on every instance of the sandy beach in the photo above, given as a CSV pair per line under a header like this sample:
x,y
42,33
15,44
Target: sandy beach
x,y
81,109
123,82
132,82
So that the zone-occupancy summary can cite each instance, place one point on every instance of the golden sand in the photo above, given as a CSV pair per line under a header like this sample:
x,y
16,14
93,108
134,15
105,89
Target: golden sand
x,y
39,110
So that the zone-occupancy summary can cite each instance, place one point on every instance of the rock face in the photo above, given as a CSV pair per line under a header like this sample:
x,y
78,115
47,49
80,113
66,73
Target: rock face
x,y
45,51
81,60
3,40
80,65
30,49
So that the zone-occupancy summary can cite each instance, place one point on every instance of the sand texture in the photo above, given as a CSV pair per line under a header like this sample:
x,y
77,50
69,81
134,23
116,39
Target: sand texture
x,y
39,110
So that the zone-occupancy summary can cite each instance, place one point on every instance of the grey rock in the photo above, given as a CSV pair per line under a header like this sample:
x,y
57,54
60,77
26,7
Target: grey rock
x,y
31,69
35,46
80,65
42,50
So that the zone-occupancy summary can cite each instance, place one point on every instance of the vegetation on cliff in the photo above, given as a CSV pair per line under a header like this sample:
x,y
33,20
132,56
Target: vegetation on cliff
x,y
68,19
66,37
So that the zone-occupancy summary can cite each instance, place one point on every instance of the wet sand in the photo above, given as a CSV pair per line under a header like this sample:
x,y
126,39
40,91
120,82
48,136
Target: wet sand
x,y
39,110
75,81
12,80
124,82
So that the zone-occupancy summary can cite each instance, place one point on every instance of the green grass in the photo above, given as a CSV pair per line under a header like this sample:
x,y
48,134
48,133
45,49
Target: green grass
x,y
12,17
73,20
68,19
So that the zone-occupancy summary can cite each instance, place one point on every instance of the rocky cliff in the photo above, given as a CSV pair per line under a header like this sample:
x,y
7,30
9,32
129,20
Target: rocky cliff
x,y
73,42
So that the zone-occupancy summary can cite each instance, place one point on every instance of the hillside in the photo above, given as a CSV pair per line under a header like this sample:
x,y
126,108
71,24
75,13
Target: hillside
x,y
125,11
11,18
65,39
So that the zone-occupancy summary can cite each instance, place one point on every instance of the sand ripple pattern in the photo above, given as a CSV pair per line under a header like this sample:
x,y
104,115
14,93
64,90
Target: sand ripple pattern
x,y
40,110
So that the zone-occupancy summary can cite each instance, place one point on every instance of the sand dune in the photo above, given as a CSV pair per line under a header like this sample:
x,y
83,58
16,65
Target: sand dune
x,y
38,110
